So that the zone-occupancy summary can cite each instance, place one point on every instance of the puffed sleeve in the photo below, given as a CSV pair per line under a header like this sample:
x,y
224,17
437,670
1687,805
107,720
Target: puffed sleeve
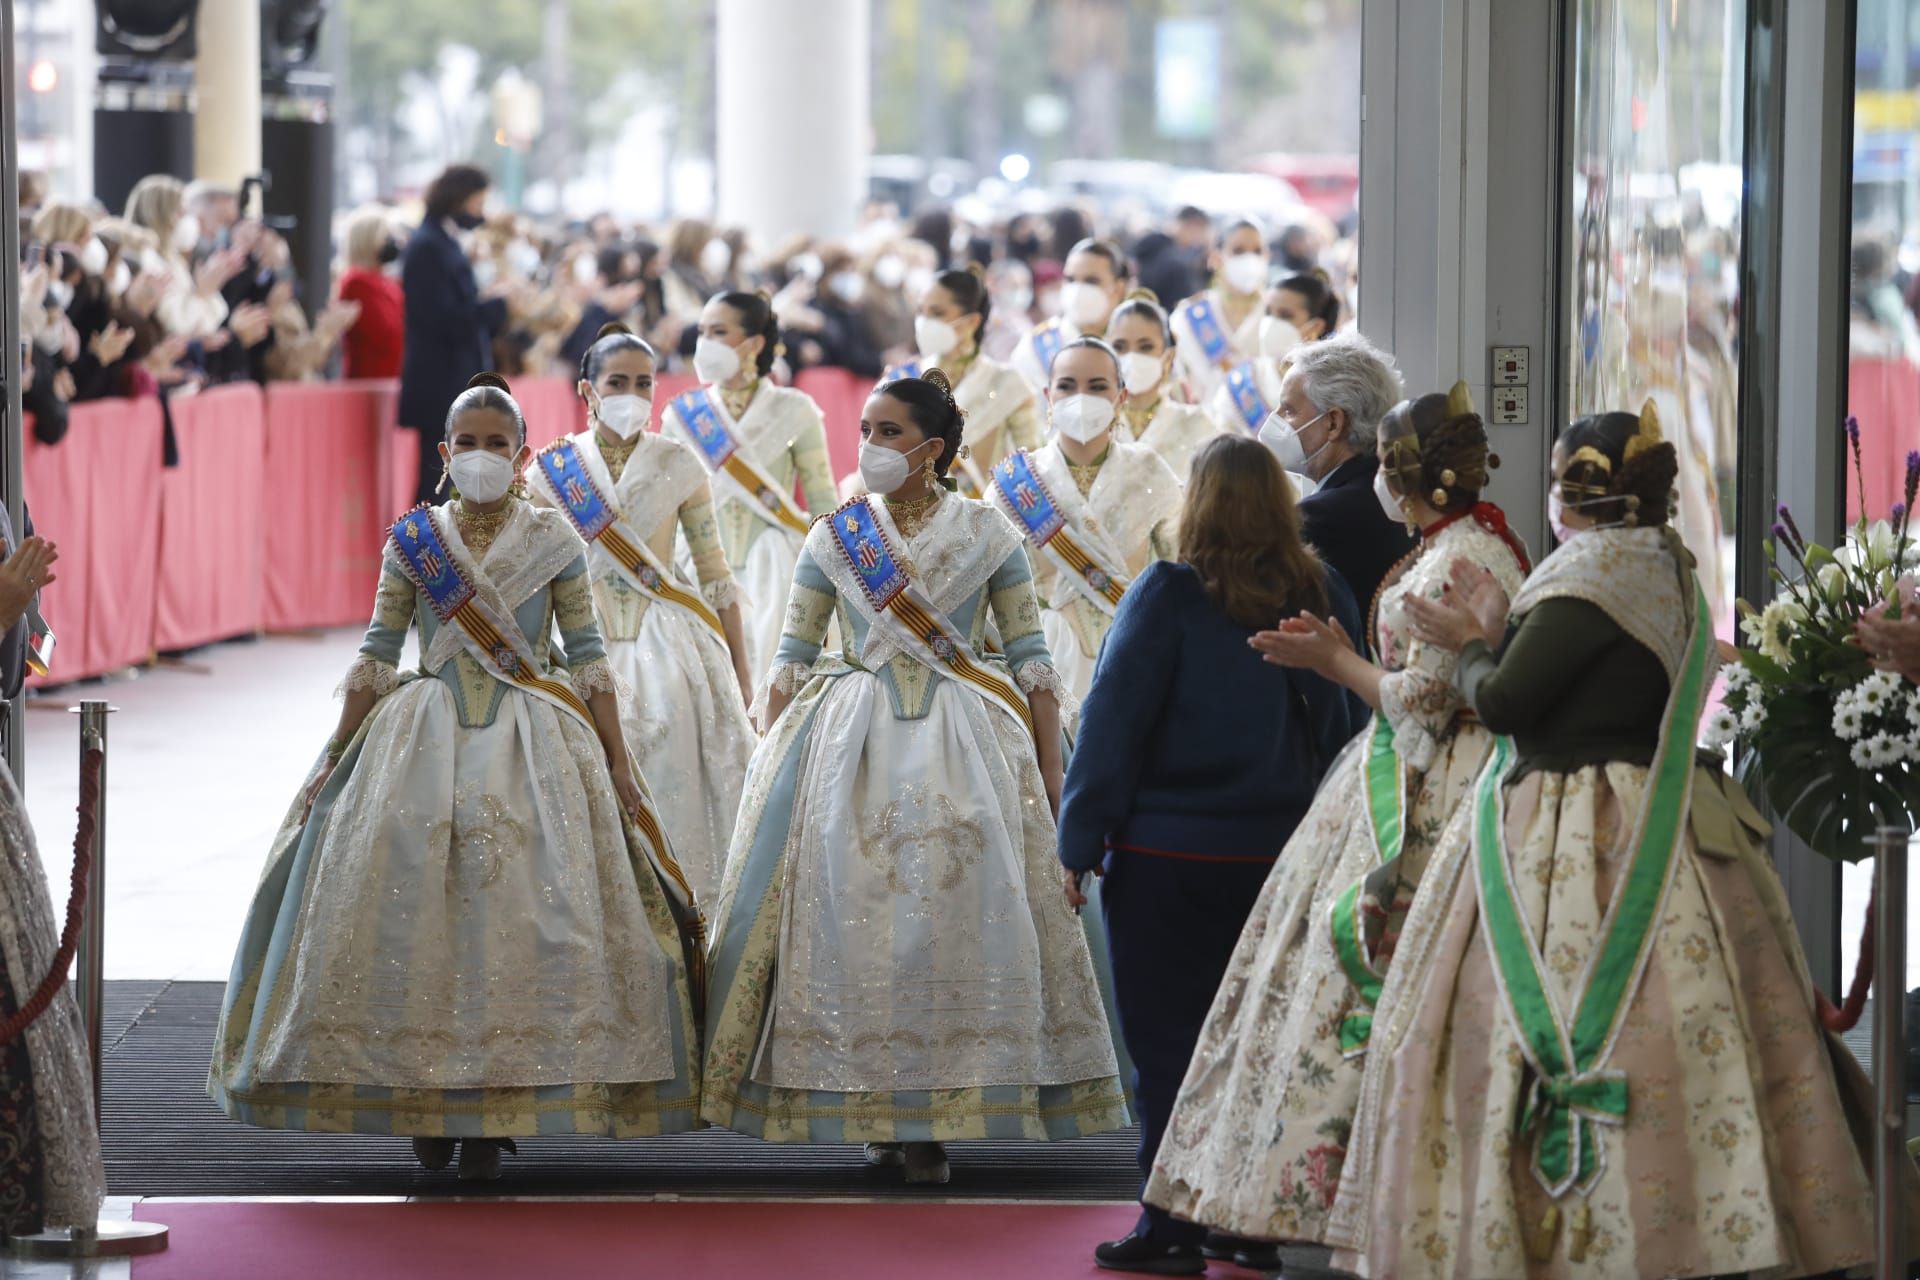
x,y
811,462
1016,613
377,667
586,651
810,604
702,534
1122,713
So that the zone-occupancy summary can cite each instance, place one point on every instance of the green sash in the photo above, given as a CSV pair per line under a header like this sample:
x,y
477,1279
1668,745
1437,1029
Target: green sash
x,y
1386,797
1573,1088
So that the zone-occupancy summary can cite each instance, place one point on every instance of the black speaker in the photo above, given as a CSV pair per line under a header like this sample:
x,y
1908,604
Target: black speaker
x,y
129,144
289,33
145,28
299,153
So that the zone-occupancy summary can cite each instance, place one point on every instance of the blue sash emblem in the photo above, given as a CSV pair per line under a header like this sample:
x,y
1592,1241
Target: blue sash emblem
x,y
418,540
1245,390
1032,504
865,548
1206,328
567,475
905,370
1047,341
710,435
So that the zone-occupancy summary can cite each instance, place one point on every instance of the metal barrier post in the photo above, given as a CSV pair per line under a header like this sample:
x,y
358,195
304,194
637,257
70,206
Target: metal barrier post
x,y
1889,1052
91,970
109,1237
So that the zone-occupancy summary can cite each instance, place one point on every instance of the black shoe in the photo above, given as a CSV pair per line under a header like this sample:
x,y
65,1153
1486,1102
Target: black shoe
x,y
1139,1254
1254,1255
1258,1257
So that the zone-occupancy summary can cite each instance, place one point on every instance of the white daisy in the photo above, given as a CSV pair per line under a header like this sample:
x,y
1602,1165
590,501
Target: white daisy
x,y
1722,727
1846,722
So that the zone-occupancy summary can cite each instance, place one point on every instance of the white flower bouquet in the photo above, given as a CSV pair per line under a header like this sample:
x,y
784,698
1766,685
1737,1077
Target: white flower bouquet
x,y
1833,743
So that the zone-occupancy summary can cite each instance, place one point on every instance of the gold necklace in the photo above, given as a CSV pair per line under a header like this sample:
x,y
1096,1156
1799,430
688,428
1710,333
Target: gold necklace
x,y
1084,474
910,514
616,455
478,529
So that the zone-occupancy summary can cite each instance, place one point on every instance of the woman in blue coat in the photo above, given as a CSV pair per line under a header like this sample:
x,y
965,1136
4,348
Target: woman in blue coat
x,y
450,323
1196,761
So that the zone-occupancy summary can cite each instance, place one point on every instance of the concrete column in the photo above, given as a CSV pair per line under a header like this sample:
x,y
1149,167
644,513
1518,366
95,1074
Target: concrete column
x,y
794,131
226,123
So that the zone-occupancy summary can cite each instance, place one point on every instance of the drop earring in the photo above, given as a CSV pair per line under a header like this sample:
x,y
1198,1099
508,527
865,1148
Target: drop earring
x,y
445,472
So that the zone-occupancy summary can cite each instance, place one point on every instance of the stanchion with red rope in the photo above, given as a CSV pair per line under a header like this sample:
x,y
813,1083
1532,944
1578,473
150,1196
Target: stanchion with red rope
x,y
84,934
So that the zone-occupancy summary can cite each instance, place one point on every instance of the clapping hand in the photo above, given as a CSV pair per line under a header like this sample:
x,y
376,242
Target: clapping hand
x,y
1892,643
1306,641
1480,593
250,323
111,343
22,575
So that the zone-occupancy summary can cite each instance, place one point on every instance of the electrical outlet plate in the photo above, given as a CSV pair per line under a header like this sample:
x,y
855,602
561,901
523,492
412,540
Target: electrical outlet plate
x,y
1509,405
1510,366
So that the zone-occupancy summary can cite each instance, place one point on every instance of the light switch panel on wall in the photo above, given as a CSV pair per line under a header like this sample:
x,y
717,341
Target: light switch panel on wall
x,y
1509,405
1510,366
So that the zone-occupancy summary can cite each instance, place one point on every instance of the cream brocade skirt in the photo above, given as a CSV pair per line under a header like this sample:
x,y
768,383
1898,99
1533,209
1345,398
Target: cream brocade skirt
x,y
460,939
1739,1151
691,737
1259,1133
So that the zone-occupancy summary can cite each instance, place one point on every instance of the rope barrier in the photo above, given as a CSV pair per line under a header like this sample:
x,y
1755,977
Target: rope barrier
x,y
1847,1016
24,1017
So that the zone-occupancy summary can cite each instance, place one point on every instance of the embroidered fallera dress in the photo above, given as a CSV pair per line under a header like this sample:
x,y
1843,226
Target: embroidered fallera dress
x,y
1002,413
680,700
1171,429
779,431
892,958
1208,343
1124,520
1661,1100
466,938
1258,1134
50,1171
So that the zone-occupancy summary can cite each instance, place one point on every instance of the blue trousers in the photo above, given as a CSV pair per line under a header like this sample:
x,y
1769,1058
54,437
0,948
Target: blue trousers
x,y
1172,924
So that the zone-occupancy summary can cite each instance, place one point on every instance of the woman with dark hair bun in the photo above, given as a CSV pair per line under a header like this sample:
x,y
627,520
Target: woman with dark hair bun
x,y
470,929
756,441
1257,1136
999,406
1597,1051
893,960
1219,327
678,647
1095,277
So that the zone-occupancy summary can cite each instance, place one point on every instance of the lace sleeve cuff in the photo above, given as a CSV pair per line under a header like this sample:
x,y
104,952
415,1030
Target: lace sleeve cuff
x,y
723,594
597,677
369,673
788,678
1036,676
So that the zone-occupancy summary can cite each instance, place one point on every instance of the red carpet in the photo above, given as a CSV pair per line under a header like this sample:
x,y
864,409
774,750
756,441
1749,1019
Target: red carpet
x,y
688,1241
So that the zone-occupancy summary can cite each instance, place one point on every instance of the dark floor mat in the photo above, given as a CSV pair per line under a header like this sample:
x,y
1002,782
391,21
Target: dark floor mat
x,y
163,1137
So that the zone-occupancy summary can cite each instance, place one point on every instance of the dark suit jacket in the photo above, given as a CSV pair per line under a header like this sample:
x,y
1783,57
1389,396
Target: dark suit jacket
x,y
1344,522
449,329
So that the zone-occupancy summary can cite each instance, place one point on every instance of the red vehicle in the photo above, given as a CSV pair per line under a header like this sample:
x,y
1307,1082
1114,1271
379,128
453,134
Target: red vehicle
x,y
1329,184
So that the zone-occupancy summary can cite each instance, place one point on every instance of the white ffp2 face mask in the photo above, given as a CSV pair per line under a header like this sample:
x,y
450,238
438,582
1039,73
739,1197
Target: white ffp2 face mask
x,y
1082,418
626,416
93,256
1389,503
1141,372
714,360
883,470
1278,337
1284,442
1084,304
1245,272
934,336
481,476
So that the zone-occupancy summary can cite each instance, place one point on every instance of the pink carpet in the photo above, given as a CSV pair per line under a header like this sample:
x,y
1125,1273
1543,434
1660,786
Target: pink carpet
x,y
580,1240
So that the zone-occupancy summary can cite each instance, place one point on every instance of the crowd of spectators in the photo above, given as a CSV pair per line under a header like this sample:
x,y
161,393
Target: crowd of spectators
x,y
178,290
